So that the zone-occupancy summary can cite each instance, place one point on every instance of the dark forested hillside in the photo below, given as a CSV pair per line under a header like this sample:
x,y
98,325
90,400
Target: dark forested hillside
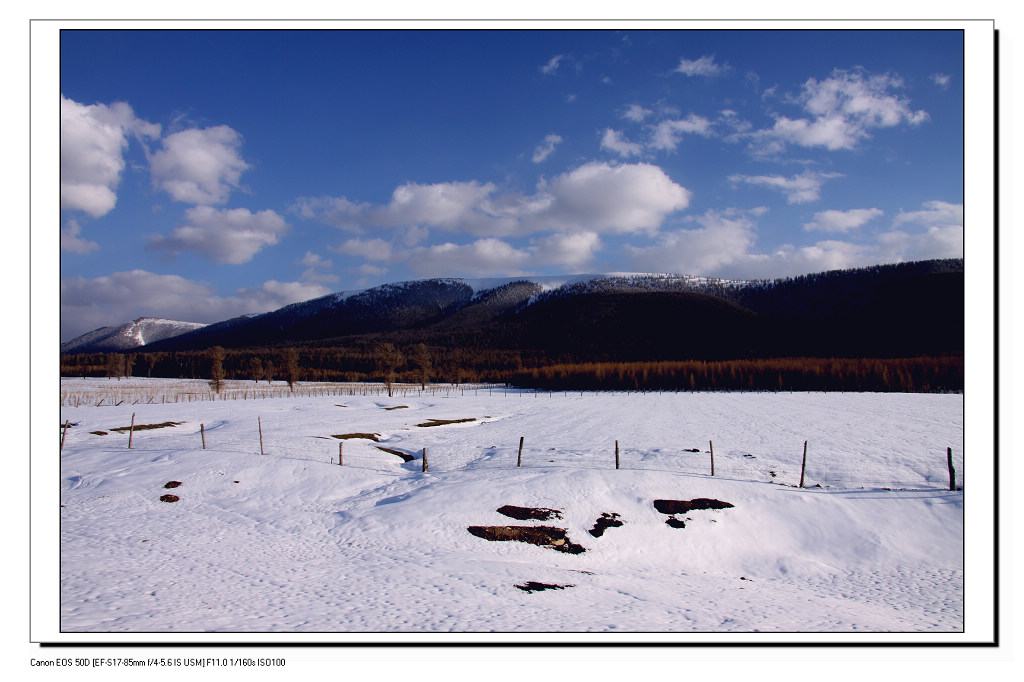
x,y
514,331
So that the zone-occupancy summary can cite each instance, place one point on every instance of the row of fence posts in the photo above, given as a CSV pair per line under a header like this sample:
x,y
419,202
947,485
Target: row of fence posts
x,y
519,459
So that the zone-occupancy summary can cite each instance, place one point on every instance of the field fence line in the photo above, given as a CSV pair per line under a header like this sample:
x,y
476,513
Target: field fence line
x,y
731,465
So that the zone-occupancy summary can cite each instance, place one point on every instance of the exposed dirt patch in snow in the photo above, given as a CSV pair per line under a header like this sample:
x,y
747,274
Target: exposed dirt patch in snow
x,y
605,521
406,457
673,507
683,506
528,513
533,586
169,498
545,536
172,484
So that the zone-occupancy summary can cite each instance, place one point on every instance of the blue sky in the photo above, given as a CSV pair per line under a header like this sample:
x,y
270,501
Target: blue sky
x,y
208,174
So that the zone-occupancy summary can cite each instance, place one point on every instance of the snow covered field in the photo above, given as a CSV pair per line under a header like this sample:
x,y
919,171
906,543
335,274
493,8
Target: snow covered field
x,y
290,542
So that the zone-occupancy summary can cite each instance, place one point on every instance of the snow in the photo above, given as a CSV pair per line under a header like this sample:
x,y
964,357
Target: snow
x,y
290,542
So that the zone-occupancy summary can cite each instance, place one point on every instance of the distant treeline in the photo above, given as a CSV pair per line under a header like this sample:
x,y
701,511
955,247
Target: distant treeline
x,y
930,374
418,364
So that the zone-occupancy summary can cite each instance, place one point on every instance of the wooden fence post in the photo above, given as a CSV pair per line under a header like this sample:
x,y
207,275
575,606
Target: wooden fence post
x,y
202,432
131,431
64,433
803,465
952,471
424,459
519,461
616,454
259,424
340,454
711,446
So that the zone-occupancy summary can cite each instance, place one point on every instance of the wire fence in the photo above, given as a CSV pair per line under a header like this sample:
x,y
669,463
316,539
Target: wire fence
x,y
822,470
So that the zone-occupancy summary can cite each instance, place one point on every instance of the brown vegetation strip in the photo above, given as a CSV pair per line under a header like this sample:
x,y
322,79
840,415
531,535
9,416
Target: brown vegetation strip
x,y
443,422
375,437
146,427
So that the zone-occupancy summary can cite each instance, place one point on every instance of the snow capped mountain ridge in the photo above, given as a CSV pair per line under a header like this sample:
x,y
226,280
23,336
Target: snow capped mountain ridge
x,y
129,335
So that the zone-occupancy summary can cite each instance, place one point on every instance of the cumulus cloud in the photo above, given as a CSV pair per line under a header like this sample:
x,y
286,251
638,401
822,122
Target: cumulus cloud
x,y
231,236
611,198
841,221
199,166
71,241
636,113
942,80
613,140
596,196
799,189
545,148
482,257
843,109
666,135
571,251
93,139
704,66
315,264
371,249
725,245
722,238
90,303
933,214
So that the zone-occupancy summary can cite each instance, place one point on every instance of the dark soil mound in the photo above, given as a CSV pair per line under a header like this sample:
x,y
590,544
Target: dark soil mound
x,y
528,513
683,506
172,484
531,586
545,536
606,521
169,498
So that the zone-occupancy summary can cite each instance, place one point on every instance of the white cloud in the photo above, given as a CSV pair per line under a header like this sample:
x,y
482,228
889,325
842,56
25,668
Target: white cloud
x,y
314,263
552,65
71,241
933,214
371,249
841,221
272,294
313,260
636,113
598,197
224,235
614,141
483,257
87,304
199,166
721,239
942,80
667,134
799,189
571,251
545,148
92,143
843,109
704,66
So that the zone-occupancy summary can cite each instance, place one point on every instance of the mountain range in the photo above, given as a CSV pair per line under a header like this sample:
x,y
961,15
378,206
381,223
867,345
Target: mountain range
x,y
892,310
